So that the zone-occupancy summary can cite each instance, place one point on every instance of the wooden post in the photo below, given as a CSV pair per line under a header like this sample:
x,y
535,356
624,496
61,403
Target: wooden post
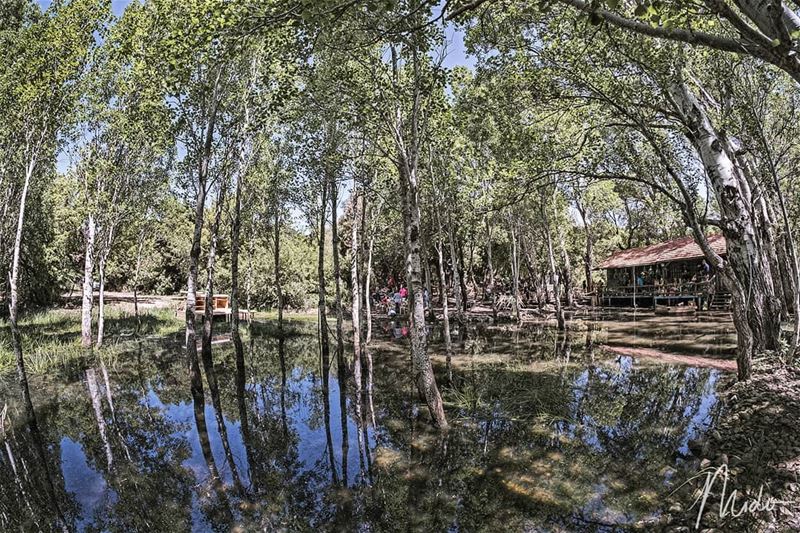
x,y
634,286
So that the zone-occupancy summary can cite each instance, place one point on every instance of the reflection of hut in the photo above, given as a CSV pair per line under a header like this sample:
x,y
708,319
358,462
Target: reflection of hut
x,y
665,273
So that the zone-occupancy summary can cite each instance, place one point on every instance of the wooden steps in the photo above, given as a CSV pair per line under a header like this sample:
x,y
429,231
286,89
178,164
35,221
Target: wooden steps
x,y
720,301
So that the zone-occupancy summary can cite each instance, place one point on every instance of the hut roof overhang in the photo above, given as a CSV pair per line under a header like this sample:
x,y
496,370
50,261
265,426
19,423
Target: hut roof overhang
x,y
681,249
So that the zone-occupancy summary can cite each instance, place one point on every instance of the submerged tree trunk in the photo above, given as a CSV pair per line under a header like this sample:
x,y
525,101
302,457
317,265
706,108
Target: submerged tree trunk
x,y
462,276
13,306
321,308
553,271
208,318
423,371
236,227
337,272
490,266
567,273
431,314
206,152
249,281
448,342
367,289
277,249
407,152
514,271
356,292
457,294
89,230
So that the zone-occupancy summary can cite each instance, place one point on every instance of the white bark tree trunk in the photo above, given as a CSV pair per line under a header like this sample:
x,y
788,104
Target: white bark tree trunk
x,y
356,292
13,306
337,272
554,278
90,229
746,270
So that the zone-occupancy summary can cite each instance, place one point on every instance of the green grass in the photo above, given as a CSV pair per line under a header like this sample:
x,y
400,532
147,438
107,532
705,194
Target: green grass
x,y
51,339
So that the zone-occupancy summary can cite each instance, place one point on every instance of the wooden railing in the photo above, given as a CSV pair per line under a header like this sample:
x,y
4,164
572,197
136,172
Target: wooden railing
x,y
676,289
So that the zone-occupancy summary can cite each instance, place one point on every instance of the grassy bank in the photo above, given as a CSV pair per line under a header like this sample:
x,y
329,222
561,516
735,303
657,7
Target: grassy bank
x,y
52,338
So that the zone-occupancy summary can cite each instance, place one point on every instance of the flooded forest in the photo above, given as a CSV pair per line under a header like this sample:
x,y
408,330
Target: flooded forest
x,y
399,265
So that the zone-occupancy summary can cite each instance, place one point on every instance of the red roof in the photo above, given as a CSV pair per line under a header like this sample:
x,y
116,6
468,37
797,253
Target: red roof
x,y
665,252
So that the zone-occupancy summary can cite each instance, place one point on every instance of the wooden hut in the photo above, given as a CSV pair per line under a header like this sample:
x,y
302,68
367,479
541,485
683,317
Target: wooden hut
x,y
667,273
221,306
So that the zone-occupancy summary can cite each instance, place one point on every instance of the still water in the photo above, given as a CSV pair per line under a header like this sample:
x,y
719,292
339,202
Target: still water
x,y
548,433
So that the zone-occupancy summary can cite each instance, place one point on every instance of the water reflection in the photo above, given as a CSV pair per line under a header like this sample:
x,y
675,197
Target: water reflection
x,y
549,432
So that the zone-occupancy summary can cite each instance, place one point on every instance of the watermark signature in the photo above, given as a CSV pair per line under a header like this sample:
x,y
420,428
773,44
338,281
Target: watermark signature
x,y
728,504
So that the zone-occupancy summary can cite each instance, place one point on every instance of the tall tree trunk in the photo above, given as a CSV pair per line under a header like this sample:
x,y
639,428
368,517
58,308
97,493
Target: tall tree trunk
x,y
588,255
137,272
471,267
207,357
448,342
567,273
90,229
249,279
746,270
431,314
101,297
367,289
456,277
423,371
101,302
194,255
514,271
208,318
236,227
562,326
462,277
407,159
277,249
337,272
490,266
13,306
191,299
321,308
356,290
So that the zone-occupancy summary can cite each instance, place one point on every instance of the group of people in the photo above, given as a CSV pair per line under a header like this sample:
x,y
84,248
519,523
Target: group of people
x,y
393,298
650,277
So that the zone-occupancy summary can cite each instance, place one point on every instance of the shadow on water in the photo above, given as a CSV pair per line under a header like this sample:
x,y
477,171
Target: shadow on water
x,y
549,432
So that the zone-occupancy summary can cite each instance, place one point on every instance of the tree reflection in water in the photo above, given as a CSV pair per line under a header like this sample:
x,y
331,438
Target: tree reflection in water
x,y
549,432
